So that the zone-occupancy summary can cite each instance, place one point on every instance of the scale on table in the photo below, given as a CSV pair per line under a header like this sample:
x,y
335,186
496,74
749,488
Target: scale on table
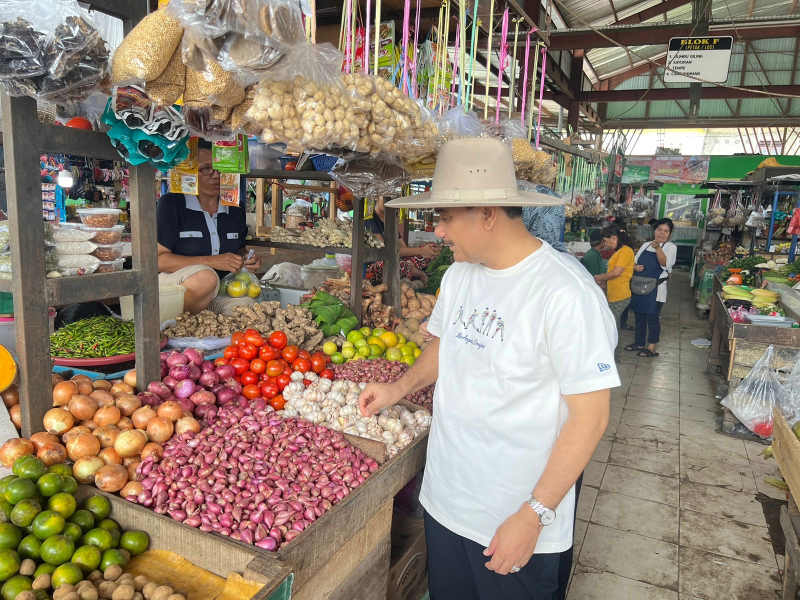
x,y
269,293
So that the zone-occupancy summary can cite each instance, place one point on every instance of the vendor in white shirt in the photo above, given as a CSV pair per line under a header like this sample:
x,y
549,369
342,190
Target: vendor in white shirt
x,y
519,407
653,260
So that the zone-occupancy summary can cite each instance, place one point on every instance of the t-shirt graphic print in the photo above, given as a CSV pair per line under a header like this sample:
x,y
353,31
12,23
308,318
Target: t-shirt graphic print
x,y
513,342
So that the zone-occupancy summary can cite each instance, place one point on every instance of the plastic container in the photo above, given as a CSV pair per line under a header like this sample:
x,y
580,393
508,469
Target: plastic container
x,y
99,217
110,266
8,336
108,252
170,302
330,260
105,235
316,276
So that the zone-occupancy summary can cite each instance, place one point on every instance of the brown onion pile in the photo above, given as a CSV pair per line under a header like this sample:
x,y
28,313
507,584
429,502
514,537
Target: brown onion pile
x,y
252,476
381,370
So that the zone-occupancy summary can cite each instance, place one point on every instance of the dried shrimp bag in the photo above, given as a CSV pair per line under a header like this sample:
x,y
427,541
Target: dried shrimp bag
x,y
147,50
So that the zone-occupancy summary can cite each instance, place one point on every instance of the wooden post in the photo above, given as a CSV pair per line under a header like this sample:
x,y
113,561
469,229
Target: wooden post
x,y
26,234
145,262
358,255
391,265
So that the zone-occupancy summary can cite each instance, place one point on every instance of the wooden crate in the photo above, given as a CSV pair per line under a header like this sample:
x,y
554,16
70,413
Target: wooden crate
x,y
786,448
310,552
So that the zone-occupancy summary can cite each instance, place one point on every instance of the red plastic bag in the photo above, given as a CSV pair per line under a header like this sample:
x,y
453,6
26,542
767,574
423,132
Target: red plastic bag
x,y
794,224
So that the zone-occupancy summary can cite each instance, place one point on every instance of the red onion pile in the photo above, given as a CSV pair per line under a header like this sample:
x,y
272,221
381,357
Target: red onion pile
x,y
194,383
252,476
381,370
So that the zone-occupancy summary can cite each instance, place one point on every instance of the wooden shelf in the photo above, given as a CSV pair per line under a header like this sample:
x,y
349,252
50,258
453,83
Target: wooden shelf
x,y
370,254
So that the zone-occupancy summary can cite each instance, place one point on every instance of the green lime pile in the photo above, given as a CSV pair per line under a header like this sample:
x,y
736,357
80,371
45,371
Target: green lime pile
x,y
45,537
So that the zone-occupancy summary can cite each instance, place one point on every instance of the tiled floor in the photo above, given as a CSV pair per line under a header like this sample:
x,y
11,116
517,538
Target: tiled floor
x,y
668,510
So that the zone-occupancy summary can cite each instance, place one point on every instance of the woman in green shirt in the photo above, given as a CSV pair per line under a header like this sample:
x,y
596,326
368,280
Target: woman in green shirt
x,y
592,260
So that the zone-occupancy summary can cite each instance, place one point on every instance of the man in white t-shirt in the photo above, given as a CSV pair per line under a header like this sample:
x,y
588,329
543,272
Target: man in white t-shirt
x,y
517,415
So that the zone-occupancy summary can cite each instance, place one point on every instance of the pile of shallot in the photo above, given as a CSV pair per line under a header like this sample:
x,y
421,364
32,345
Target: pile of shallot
x,y
251,475
381,370
334,404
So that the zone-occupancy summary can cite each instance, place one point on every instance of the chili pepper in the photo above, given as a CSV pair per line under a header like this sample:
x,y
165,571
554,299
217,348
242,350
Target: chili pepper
x,y
96,337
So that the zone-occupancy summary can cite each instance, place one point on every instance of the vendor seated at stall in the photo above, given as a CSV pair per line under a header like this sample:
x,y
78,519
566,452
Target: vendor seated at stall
x,y
200,241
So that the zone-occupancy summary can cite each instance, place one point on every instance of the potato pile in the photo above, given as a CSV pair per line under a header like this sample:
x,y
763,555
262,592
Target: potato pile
x,y
112,584
415,305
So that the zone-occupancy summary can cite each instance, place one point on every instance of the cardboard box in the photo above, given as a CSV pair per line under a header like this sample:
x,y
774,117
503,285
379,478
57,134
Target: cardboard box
x,y
409,563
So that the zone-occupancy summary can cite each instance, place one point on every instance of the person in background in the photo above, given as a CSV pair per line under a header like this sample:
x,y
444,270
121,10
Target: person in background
x,y
620,271
200,241
592,260
654,259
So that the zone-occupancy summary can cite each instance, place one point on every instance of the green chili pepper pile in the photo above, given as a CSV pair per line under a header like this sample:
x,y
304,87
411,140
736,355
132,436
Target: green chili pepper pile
x,y
96,337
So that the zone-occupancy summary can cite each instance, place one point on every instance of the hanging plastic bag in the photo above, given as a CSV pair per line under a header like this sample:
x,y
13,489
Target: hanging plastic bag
x,y
794,224
241,285
456,124
167,88
755,397
212,86
370,177
789,398
147,50
285,274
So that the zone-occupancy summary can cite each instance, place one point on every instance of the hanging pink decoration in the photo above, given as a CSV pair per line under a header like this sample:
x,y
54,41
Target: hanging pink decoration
x,y
502,64
365,62
416,40
525,76
541,94
348,56
451,100
406,36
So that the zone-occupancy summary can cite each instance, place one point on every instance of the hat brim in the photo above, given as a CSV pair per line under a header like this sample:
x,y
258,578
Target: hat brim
x,y
523,198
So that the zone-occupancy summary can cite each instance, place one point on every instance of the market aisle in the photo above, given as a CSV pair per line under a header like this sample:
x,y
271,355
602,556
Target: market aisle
x,y
668,510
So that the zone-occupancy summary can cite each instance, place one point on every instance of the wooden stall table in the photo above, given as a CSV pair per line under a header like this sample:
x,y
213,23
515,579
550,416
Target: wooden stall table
x,y
786,449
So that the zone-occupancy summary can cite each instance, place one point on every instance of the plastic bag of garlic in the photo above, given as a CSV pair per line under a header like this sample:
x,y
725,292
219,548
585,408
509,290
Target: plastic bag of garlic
x,y
334,404
304,102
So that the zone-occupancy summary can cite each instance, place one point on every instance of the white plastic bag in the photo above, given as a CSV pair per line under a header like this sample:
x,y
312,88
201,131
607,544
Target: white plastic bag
x,y
755,397
285,274
789,399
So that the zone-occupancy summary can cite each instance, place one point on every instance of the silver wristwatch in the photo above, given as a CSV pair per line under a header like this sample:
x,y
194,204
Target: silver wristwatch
x,y
546,515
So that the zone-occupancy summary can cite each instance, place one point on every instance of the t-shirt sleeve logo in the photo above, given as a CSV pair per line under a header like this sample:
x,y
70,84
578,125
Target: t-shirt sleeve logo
x,y
603,367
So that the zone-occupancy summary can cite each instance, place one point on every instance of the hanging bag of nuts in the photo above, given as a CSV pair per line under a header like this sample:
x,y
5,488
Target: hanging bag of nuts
x,y
147,50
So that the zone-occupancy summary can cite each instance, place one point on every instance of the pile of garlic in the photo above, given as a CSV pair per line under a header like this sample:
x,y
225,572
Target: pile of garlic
x,y
328,234
334,404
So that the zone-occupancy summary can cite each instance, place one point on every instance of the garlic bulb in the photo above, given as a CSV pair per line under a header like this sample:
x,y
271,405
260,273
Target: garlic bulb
x,y
348,409
311,376
388,437
314,395
339,385
351,431
382,420
295,387
333,425
361,426
405,437
336,396
309,408
423,420
351,398
297,377
408,419
393,425
316,416
324,385
392,450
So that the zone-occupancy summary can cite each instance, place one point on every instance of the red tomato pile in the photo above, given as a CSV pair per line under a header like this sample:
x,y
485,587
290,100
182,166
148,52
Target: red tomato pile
x,y
264,366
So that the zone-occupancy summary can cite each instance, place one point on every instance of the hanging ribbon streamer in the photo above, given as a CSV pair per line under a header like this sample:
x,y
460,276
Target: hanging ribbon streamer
x,y
416,46
347,56
365,62
445,54
502,64
353,23
377,35
541,94
462,55
488,61
513,68
456,72
522,114
437,56
406,36
533,90
474,45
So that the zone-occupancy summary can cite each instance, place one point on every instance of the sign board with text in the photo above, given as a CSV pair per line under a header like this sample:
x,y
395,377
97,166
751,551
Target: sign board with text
x,y
705,57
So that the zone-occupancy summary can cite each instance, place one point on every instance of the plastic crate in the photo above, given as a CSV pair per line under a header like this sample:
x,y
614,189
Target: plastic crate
x,y
323,163
6,303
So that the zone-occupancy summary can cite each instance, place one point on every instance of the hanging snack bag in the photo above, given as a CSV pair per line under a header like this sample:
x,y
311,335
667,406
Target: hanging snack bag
x,y
167,88
755,397
147,49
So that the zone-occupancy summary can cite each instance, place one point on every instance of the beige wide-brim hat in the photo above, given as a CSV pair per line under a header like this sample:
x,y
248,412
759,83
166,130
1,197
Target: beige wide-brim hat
x,y
475,172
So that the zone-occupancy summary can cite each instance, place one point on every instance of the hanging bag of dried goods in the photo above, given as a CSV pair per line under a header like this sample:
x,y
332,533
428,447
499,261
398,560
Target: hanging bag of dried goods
x,y
147,50
167,88
755,397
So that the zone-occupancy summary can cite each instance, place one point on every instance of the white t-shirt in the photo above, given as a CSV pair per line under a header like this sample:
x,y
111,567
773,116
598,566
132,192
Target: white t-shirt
x,y
512,343
671,252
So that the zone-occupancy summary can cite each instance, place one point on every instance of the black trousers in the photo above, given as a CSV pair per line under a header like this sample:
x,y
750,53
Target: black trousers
x,y
457,571
648,326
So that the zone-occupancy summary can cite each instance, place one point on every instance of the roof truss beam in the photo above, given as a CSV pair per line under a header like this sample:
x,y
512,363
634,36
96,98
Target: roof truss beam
x,y
651,12
660,95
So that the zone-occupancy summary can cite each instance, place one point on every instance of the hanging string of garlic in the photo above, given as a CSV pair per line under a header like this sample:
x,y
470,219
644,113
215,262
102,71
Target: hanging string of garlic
x,y
334,404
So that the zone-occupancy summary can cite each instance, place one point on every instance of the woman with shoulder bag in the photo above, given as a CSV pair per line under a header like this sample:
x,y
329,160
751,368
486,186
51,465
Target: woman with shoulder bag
x,y
620,271
654,262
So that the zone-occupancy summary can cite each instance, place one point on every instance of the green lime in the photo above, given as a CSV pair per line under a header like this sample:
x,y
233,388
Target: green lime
x,y
25,512
98,537
108,524
84,519
57,550
63,503
5,481
70,486
134,542
48,523
87,558
44,569
112,557
5,510
9,564
73,532
30,547
40,594
29,467
99,506
116,535
15,586
20,489
60,469
66,573
10,536
50,484
337,358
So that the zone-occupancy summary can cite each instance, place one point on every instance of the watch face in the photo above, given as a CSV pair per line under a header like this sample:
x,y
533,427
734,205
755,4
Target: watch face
x,y
547,517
